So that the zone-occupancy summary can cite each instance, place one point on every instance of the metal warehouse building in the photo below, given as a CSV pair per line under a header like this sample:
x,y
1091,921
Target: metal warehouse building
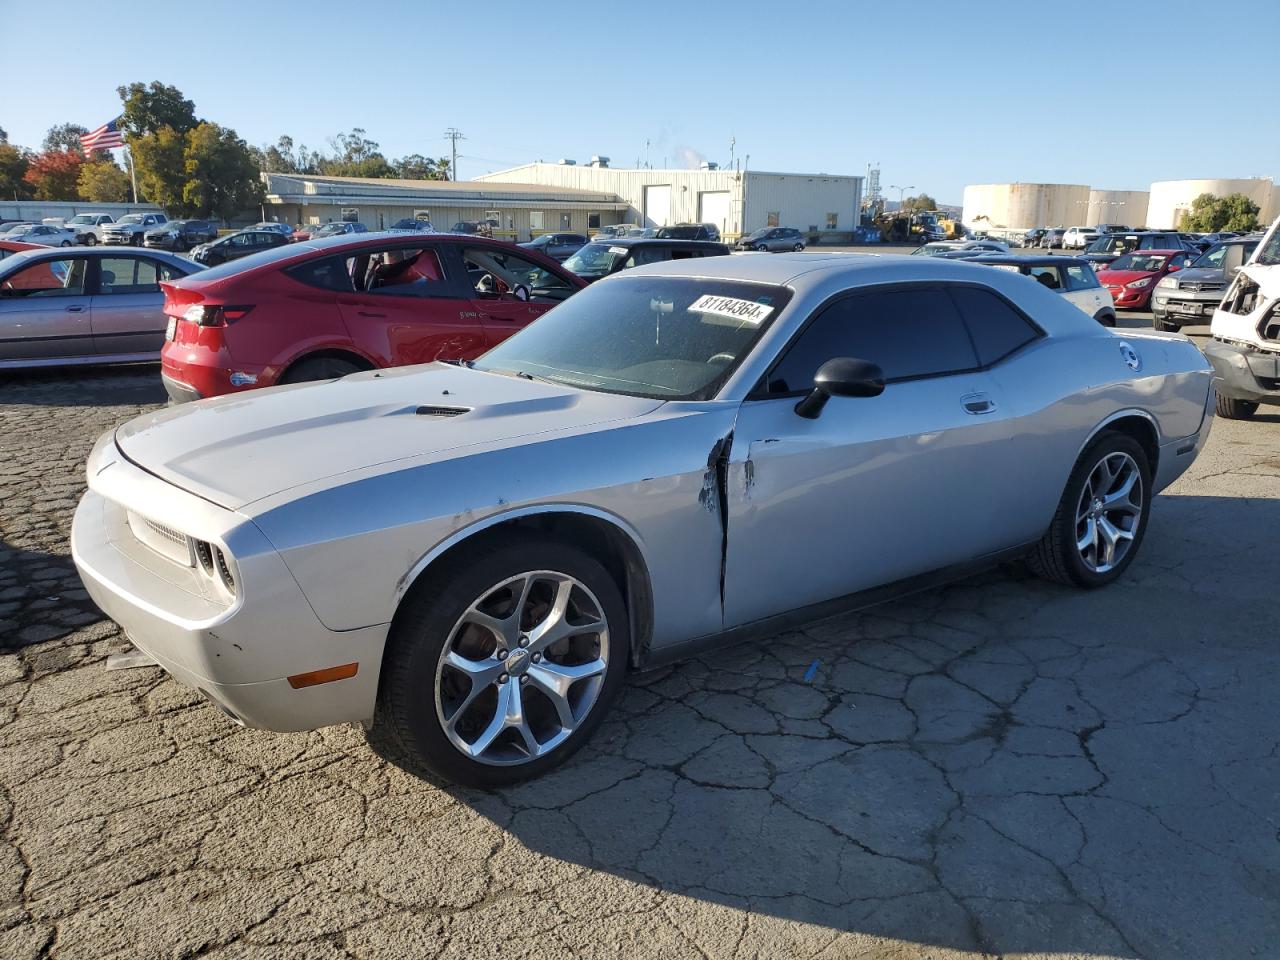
x,y
736,201
521,210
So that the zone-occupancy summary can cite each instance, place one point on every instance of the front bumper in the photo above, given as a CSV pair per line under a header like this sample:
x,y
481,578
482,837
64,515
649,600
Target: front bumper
x,y
237,653
120,240
1128,299
1242,373
1185,306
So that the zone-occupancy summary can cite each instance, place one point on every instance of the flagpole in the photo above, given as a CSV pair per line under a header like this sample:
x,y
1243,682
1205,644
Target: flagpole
x,y
133,177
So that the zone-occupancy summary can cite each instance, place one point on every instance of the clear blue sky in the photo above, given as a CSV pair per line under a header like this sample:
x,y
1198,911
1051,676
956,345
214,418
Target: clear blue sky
x,y
939,94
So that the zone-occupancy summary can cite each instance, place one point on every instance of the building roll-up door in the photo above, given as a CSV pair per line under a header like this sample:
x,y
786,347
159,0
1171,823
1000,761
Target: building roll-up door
x,y
714,207
657,206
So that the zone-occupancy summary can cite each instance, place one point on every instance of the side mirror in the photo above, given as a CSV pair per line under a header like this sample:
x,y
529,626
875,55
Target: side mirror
x,y
841,377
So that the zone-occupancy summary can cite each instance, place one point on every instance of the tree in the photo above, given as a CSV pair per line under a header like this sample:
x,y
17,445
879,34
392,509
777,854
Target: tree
x,y
221,177
65,136
921,202
53,174
1209,214
417,167
14,162
160,166
103,182
149,109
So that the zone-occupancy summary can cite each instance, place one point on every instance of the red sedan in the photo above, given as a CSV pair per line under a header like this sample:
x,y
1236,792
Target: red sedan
x,y
9,247
1130,279
321,309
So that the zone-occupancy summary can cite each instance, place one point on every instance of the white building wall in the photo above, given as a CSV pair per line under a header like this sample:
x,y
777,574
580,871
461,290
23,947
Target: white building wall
x,y
1170,199
802,201
1126,207
1023,206
37,210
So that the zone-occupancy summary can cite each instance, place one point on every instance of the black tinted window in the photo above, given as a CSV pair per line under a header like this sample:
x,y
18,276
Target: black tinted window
x,y
330,274
909,333
997,328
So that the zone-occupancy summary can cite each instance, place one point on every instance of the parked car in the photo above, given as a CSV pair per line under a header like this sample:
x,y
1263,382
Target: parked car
x,y
1112,245
641,233
557,246
130,229
967,247
1132,278
612,230
88,227
84,306
42,235
337,228
9,247
690,231
1105,228
237,245
772,239
1195,292
331,307
1052,238
472,556
281,228
1070,277
1195,242
603,257
477,228
1077,238
413,225
1245,349
1032,237
180,235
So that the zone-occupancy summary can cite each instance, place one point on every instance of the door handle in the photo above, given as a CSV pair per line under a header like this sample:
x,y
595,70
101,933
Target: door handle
x,y
977,403
75,309
370,313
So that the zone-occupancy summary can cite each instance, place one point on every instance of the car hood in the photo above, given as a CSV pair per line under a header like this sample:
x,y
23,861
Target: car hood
x,y
1201,274
236,449
1124,276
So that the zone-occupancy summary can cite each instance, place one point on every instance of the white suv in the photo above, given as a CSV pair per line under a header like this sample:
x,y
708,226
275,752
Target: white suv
x,y
1077,238
1245,349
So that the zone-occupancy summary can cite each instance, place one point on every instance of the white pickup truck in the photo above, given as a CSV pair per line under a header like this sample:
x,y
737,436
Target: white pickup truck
x,y
88,227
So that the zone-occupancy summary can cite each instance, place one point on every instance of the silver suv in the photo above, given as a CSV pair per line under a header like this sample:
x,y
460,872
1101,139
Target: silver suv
x,y
1191,295
772,239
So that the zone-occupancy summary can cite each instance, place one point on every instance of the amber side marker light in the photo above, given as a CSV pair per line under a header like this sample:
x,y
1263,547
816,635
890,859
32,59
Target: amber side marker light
x,y
327,675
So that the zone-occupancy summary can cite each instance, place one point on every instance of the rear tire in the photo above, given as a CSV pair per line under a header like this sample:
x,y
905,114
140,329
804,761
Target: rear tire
x,y
467,638
1106,319
1101,518
798,247
319,368
90,241
65,243
1230,408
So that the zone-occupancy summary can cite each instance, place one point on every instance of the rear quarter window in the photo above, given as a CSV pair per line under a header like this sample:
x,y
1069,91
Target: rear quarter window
x,y
996,327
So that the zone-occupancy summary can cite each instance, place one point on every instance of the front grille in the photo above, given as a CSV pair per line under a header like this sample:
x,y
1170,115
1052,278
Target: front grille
x,y
1205,286
166,541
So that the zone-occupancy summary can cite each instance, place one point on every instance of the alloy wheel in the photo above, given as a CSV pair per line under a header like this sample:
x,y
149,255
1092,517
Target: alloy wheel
x,y
522,668
1109,511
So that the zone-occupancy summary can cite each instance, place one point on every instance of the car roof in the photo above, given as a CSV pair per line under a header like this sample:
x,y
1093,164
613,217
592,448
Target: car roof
x,y
58,253
1025,259
651,242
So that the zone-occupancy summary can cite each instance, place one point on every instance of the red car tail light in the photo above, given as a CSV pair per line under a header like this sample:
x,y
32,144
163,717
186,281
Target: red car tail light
x,y
215,315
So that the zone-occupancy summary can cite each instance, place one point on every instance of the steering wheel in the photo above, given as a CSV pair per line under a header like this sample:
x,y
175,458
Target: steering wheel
x,y
722,358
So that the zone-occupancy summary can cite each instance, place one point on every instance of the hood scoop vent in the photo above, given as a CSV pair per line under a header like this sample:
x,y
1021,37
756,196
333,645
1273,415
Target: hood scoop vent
x,y
433,411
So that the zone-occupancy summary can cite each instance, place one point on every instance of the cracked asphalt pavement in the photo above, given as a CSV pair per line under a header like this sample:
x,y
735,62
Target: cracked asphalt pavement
x,y
998,768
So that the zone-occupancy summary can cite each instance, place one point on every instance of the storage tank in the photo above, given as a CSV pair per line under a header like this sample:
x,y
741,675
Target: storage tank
x,y
1125,207
1016,207
1170,199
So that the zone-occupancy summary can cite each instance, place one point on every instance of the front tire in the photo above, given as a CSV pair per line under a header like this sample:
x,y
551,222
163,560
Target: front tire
x,y
1101,518
1164,325
90,241
1231,409
798,247
65,243
500,668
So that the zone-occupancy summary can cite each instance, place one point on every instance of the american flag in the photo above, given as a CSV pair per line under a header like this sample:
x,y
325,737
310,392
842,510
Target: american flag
x,y
105,137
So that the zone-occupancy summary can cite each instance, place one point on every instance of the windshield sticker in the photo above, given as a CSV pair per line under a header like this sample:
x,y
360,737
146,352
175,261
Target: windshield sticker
x,y
745,310
621,251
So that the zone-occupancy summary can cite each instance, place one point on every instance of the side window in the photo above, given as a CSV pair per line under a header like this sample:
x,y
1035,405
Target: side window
x,y
127,275
495,272
1080,276
1047,277
649,255
404,272
908,332
997,328
48,278
331,274
240,240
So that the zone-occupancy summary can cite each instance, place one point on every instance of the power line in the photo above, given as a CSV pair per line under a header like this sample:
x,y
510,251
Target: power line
x,y
453,134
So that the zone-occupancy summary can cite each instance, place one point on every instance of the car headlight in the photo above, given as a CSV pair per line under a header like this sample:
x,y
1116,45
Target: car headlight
x,y
1168,283
1139,284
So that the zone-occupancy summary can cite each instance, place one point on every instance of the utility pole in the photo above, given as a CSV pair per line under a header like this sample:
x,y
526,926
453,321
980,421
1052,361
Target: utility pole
x,y
453,134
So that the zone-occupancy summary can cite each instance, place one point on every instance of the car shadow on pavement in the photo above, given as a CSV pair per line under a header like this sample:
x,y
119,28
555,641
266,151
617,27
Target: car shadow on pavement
x,y
128,384
999,765
41,598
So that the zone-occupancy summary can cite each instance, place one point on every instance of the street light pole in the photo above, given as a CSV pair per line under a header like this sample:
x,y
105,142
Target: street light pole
x,y
902,192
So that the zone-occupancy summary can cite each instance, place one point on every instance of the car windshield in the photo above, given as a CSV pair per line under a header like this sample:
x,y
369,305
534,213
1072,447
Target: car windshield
x,y
1269,254
130,218
755,234
82,218
669,338
1212,258
1143,262
1111,245
329,229
595,259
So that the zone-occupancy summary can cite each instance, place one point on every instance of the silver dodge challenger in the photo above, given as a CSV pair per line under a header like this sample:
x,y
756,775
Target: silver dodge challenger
x,y
473,554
